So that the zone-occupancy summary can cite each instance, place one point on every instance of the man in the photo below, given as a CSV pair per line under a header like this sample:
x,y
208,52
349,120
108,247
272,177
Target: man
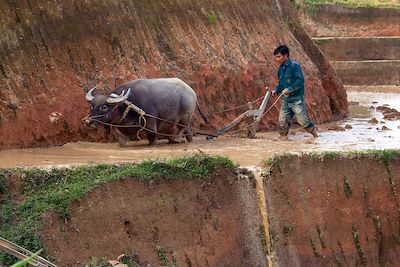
x,y
291,84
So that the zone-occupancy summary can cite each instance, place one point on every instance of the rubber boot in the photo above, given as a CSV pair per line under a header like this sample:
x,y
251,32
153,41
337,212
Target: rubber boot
x,y
314,132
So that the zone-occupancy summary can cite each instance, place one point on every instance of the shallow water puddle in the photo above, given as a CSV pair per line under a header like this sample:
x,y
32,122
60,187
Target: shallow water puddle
x,y
247,152
364,134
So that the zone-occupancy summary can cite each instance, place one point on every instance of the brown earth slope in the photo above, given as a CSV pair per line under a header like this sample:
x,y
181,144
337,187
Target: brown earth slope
x,y
53,52
334,211
214,222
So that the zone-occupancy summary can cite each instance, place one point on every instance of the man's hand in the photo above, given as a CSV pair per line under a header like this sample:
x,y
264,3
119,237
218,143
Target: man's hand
x,y
286,91
273,93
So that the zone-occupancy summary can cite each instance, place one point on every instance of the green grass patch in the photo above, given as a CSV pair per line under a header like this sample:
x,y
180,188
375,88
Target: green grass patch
x,y
163,258
56,189
346,187
98,262
3,183
287,229
323,40
273,162
355,3
385,156
212,18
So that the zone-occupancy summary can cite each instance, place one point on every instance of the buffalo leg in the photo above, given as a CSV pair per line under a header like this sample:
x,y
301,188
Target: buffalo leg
x,y
107,131
122,139
176,138
186,131
152,131
173,137
171,140
189,134
152,138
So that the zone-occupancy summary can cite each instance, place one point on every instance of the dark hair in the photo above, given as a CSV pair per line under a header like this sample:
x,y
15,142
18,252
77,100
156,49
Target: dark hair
x,y
283,49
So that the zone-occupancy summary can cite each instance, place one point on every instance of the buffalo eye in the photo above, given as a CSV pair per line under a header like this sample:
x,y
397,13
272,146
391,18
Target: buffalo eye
x,y
103,109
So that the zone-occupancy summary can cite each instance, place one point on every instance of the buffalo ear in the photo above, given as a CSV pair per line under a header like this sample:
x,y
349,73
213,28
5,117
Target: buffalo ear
x,y
89,95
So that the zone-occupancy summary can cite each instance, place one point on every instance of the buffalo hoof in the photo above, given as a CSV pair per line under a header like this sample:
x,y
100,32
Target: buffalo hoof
x,y
152,142
122,144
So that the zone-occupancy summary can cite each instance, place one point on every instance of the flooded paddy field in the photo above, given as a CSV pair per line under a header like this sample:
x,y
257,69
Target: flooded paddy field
x,y
357,132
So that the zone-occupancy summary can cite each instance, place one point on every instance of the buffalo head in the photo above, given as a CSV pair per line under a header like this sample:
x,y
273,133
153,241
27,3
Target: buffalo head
x,y
103,108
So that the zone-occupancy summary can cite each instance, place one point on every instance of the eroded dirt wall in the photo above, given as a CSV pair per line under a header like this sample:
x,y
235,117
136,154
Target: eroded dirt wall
x,y
369,72
332,20
214,222
356,48
53,52
326,211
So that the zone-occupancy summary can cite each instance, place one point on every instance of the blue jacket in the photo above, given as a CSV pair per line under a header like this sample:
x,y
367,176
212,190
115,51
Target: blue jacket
x,y
291,77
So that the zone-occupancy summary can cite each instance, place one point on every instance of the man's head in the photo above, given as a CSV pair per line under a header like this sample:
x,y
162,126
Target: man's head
x,y
281,53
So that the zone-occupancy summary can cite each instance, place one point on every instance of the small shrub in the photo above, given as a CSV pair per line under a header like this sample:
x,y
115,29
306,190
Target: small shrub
x,y
98,262
287,229
212,18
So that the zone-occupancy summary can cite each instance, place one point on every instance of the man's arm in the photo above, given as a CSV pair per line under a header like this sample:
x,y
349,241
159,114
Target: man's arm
x,y
279,87
299,79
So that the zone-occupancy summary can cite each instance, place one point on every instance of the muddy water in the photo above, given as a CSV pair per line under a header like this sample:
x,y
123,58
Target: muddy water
x,y
247,152
364,135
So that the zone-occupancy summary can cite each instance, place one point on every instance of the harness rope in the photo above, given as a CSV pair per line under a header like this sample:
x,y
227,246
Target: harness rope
x,y
235,108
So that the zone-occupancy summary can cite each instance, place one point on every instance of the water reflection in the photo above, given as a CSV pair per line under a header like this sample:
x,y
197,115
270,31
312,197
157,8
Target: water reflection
x,y
364,134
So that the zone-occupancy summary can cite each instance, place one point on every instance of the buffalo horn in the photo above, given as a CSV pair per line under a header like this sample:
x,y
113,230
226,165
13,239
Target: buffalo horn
x,y
123,97
114,95
89,95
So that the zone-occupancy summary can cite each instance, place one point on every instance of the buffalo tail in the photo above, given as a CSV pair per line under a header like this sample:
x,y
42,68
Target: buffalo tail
x,y
201,113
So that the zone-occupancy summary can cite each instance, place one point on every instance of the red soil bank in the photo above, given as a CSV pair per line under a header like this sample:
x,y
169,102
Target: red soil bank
x,y
334,211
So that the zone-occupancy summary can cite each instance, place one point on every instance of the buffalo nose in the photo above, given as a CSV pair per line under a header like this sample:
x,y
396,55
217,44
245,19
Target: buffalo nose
x,y
86,120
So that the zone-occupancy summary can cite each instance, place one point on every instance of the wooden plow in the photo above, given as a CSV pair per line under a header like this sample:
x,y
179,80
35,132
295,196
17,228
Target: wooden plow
x,y
256,114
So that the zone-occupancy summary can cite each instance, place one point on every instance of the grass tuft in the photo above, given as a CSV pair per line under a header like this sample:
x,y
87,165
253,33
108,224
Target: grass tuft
x,y
3,183
273,162
356,3
322,40
212,18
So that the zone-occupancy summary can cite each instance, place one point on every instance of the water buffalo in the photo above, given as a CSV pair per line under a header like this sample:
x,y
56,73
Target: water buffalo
x,y
170,99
